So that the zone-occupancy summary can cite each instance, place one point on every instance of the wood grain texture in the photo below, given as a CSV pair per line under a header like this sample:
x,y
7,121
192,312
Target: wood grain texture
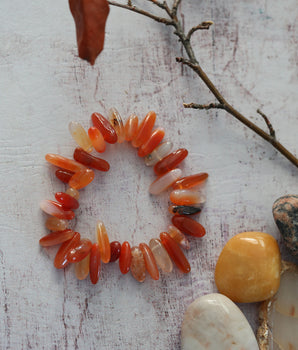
x,y
251,54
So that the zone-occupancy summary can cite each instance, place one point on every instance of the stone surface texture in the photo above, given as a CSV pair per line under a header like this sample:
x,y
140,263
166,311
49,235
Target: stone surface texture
x,y
250,53
285,213
214,322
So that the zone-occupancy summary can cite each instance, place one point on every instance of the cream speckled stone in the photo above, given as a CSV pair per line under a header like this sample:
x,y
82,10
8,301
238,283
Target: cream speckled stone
x,y
214,322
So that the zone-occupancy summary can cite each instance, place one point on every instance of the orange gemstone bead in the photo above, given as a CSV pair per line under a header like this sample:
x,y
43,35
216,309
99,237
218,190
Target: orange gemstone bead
x,y
131,127
56,237
66,200
64,163
175,252
61,257
125,258
144,130
150,262
82,268
154,140
97,139
103,242
55,224
188,226
73,192
115,250
170,161
117,124
56,209
104,126
187,197
94,267
63,175
178,237
137,266
190,181
87,159
161,256
80,252
81,179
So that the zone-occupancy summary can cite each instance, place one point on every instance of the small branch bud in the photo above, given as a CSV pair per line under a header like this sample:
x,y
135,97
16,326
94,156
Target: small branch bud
x,y
269,125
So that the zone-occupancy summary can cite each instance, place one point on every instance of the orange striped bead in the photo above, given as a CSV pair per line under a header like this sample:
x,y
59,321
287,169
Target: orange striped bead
x,y
81,179
117,124
97,139
66,200
105,127
103,242
94,264
64,163
188,226
154,140
190,181
170,161
56,209
63,175
80,252
144,130
61,257
125,258
131,127
137,266
82,268
87,159
187,197
55,224
56,237
178,237
161,256
175,252
150,262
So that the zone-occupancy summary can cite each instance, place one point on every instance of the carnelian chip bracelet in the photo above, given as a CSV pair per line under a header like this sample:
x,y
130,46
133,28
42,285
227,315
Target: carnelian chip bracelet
x,y
186,199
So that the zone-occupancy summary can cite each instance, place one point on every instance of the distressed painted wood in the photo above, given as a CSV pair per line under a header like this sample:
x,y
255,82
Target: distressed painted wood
x,y
251,54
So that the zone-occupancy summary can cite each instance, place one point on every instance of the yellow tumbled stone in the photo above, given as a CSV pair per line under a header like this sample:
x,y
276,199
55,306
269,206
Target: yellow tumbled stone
x,y
248,268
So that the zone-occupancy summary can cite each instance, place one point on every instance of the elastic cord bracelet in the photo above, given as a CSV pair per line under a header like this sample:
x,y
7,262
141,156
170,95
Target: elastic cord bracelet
x,y
186,197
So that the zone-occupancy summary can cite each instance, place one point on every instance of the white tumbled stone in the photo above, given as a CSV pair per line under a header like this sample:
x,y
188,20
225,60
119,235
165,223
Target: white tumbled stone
x,y
214,322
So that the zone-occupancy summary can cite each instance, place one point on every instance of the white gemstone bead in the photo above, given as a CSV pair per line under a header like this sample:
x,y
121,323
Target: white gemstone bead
x,y
165,181
159,153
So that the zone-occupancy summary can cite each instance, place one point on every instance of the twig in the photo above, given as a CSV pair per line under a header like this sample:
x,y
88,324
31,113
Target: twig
x,y
193,63
163,5
203,25
130,7
208,106
267,121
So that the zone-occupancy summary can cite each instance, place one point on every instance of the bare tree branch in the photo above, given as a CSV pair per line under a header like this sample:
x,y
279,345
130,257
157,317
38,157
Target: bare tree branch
x,y
163,5
133,8
193,63
208,106
203,25
175,7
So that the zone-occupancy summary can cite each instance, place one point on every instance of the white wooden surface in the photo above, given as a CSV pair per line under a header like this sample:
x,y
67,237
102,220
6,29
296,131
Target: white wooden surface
x,y
251,54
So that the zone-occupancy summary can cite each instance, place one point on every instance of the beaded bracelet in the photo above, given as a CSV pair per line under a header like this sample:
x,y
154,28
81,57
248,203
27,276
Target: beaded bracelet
x,y
185,197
